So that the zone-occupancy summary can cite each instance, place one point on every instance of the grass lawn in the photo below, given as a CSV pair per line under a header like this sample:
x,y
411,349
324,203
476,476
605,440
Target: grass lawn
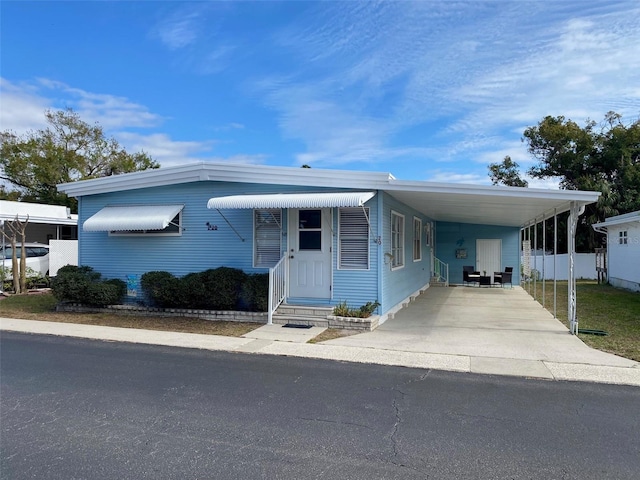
x,y
42,307
600,307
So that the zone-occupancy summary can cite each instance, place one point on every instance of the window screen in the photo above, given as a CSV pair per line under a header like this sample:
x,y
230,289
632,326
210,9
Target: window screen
x,y
353,238
267,237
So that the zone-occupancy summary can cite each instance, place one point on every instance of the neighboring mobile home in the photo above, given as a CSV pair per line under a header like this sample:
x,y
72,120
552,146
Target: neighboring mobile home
x,y
332,235
45,222
623,249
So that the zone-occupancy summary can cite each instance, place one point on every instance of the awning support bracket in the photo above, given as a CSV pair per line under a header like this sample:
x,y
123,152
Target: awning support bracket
x,y
376,239
229,223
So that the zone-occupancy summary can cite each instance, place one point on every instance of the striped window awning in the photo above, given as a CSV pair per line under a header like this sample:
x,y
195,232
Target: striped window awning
x,y
292,200
132,218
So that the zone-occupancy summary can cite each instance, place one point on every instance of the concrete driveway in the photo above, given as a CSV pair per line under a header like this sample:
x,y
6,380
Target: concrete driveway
x,y
501,330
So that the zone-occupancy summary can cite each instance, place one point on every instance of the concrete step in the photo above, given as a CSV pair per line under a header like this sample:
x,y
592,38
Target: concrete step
x,y
280,319
304,310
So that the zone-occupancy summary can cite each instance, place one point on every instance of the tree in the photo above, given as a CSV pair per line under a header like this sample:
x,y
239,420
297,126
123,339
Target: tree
x,y
506,173
604,158
67,150
19,274
601,157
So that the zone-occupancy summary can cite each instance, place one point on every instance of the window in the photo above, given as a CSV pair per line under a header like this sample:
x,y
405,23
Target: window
x,y
622,237
267,235
428,234
397,240
353,238
173,229
417,239
310,230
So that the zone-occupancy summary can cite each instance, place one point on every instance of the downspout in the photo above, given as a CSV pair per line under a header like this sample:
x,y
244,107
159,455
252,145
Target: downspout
x,y
380,205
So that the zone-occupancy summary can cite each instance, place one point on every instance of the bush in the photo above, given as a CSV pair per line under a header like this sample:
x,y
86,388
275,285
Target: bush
x,y
34,279
120,285
343,310
223,286
190,292
83,285
159,288
255,292
100,294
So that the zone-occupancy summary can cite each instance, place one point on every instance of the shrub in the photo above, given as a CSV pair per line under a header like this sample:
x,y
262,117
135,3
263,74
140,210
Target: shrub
x,y
71,283
83,285
120,285
255,292
159,288
34,278
343,310
190,292
223,286
100,294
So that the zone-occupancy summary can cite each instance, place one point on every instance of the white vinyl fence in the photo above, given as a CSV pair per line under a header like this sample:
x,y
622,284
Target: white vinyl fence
x,y
61,253
584,268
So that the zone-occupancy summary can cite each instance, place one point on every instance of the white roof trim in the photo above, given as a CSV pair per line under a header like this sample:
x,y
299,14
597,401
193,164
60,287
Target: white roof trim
x,y
619,220
227,172
132,217
292,200
475,204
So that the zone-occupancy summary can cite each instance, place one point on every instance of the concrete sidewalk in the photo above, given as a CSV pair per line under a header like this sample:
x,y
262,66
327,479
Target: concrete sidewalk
x,y
624,374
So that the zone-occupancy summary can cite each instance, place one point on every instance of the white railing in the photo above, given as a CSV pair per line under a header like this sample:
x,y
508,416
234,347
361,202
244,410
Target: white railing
x,y
277,285
441,271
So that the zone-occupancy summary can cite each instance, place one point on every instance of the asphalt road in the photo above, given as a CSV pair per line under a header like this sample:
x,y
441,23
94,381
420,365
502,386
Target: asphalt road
x,y
87,409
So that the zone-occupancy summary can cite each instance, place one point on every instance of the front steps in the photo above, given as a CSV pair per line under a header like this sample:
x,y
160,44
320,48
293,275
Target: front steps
x,y
319,316
438,282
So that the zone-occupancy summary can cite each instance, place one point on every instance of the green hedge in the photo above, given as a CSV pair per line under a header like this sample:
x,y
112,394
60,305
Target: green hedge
x,y
84,285
221,288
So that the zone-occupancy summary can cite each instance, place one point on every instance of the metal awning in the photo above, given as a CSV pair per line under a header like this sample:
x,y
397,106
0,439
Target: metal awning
x,y
292,200
132,217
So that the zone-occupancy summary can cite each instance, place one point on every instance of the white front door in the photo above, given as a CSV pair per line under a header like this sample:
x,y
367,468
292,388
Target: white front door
x,y
489,256
310,253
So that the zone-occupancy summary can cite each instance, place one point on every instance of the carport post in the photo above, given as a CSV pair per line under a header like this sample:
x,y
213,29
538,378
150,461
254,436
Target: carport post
x,y
574,212
535,259
555,256
544,248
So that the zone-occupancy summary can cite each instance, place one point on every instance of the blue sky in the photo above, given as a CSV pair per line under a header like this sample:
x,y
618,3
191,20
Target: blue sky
x,y
430,90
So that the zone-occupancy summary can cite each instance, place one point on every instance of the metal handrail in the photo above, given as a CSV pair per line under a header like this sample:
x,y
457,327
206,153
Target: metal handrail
x,y
441,270
277,286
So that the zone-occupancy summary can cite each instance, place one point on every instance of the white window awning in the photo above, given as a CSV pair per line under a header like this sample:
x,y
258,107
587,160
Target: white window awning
x,y
292,200
132,217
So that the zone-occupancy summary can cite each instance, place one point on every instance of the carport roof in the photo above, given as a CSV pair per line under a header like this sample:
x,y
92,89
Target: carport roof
x,y
479,204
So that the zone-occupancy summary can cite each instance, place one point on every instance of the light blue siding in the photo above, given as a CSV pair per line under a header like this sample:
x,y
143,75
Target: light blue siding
x,y
453,236
398,284
199,248
357,287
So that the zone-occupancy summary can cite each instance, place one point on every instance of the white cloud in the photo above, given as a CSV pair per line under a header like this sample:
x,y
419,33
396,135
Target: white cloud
x,y
457,177
245,159
216,60
22,107
163,149
178,30
475,73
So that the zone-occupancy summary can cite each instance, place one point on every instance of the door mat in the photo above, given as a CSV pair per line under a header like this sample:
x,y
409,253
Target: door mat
x,y
296,325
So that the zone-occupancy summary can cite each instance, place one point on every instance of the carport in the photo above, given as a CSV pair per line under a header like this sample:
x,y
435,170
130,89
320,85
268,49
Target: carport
x,y
501,331
524,208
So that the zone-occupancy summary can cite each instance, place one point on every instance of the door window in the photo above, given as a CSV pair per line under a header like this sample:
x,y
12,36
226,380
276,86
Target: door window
x,y
310,230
